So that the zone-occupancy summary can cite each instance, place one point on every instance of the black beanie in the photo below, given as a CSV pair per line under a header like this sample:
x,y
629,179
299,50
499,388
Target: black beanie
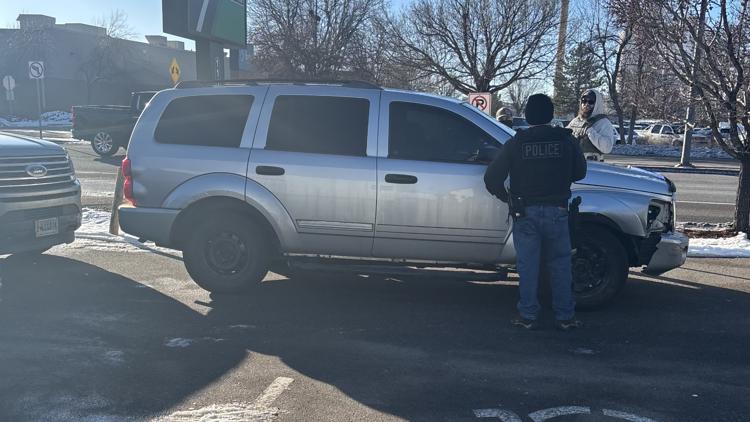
x,y
539,109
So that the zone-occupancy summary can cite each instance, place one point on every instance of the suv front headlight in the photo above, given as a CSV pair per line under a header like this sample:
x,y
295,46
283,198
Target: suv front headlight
x,y
659,217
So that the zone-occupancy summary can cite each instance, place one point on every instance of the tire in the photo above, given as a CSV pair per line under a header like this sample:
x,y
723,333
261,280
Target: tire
x,y
600,268
228,254
104,144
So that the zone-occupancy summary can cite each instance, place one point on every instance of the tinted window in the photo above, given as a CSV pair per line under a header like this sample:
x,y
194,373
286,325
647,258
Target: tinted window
x,y
210,120
323,125
656,129
667,130
421,132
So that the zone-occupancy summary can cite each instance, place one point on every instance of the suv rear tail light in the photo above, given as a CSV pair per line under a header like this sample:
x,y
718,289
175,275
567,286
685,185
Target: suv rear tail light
x,y
127,187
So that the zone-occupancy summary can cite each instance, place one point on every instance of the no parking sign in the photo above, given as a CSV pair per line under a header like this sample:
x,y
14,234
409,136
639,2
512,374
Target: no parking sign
x,y
482,101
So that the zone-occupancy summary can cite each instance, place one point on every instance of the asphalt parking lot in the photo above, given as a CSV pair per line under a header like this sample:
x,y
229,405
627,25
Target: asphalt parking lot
x,y
120,335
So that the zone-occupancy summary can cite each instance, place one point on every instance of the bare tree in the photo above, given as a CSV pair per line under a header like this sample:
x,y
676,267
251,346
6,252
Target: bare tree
x,y
520,91
312,38
611,27
116,24
482,45
720,81
107,60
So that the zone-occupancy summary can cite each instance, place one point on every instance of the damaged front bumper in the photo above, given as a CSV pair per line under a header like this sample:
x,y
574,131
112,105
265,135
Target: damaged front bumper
x,y
669,252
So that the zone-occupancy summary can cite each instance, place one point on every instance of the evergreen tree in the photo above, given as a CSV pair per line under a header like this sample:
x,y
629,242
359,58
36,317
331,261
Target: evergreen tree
x,y
581,72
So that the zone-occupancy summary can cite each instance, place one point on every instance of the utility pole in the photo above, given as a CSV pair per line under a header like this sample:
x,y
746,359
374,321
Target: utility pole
x,y
687,139
562,34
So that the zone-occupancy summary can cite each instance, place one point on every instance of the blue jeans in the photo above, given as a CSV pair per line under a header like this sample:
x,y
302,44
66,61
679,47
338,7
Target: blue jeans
x,y
543,235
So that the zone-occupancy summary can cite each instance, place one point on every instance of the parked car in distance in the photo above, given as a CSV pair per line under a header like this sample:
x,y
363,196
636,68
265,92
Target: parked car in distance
x,y
108,127
699,137
659,134
520,123
40,197
244,178
618,130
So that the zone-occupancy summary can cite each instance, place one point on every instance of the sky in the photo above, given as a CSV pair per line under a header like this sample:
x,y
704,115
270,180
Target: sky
x,y
144,16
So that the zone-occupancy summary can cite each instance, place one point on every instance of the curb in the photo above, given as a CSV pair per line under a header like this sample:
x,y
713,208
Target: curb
x,y
720,172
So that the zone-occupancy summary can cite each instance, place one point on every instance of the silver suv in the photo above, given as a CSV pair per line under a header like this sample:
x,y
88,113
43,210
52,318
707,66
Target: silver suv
x,y
40,197
240,176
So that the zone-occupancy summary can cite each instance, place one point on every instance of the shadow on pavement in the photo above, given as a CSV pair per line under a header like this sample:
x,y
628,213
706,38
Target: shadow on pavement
x,y
418,347
77,341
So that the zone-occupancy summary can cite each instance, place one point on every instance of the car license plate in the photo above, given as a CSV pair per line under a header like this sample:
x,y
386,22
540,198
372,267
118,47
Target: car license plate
x,y
46,227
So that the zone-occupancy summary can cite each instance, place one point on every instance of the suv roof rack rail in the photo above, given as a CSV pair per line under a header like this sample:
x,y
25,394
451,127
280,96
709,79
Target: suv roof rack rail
x,y
252,82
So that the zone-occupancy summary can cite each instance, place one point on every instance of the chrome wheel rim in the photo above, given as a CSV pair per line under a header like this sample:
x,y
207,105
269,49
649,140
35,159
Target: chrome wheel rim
x,y
103,142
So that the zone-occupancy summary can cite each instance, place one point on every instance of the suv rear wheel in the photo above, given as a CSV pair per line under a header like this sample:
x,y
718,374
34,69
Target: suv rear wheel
x,y
227,254
600,268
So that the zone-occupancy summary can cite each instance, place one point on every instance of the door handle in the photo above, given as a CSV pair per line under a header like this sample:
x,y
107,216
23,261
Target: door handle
x,y
269,170
401,179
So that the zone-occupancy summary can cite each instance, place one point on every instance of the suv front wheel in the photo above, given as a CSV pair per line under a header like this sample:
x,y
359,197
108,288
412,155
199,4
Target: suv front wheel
x,y
226,254
600,268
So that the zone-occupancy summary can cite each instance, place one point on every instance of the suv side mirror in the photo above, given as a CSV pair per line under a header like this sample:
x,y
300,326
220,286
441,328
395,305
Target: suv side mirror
x,y
488,153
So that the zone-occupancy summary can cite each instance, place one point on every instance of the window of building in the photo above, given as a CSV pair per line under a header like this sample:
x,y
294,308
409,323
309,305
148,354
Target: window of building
x,y
319,124
426,133
208,120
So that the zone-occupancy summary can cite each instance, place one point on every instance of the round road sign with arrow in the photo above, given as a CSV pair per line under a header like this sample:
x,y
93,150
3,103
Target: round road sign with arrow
x,y
36,70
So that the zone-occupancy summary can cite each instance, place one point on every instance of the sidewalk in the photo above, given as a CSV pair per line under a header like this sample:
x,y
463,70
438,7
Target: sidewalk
x,y
667,164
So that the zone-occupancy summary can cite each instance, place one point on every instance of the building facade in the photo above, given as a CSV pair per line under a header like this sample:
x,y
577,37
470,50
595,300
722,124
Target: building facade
x,y
83,65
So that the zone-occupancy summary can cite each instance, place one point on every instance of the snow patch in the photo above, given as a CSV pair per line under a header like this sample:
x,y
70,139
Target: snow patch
x,y
50,118
116,357
230,412
725,247
94,235
669,151
179,342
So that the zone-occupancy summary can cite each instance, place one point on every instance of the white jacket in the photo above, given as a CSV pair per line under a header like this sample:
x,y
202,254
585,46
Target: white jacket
x,y
602,133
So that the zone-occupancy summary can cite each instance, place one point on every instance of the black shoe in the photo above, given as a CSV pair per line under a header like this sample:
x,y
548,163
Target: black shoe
x,y
568,324
527,324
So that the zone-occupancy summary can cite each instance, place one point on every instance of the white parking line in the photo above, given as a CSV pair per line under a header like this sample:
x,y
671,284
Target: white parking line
x,y
503,415
553,412
278,386
626,416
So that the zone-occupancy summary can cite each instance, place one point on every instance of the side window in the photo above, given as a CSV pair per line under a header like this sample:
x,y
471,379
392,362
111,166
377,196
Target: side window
x,y
426,133
208,120
318,124
656,129
668,130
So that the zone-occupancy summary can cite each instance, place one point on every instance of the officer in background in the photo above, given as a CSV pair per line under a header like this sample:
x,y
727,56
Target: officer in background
x,y
542,162
505,116
592,128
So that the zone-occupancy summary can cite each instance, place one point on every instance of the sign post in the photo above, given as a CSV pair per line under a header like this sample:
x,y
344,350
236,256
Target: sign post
x,y
9,83
482,101
36,72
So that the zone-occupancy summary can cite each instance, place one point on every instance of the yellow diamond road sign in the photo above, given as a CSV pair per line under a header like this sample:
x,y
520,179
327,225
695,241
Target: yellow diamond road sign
x,y
174,71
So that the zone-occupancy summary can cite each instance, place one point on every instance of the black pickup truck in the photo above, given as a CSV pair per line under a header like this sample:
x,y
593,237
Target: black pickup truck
x,y
108,127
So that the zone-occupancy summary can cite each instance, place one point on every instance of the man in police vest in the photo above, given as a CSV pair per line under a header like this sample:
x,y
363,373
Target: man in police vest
x,y
592,128
542,162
